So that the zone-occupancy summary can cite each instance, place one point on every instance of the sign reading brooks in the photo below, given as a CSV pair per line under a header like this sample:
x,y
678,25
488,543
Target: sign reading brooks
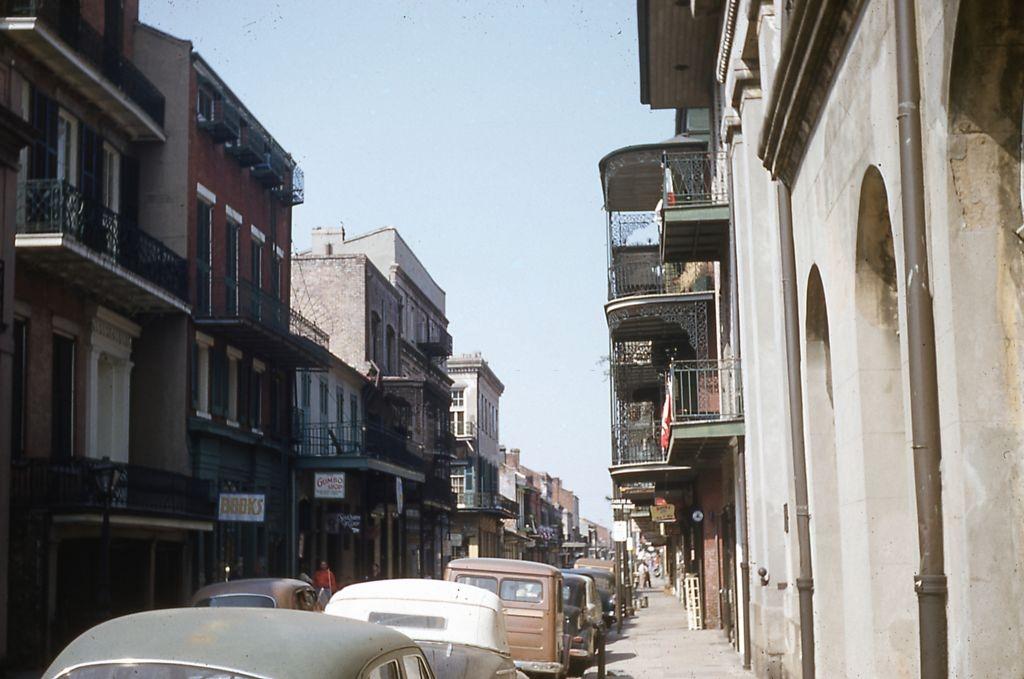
x,y
241,507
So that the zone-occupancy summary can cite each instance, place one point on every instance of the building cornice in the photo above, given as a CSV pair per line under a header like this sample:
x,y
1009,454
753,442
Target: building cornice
x,y
816,37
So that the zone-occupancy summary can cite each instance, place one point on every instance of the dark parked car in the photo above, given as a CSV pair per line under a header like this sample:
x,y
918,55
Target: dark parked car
x,y
258,593
584,622
605,581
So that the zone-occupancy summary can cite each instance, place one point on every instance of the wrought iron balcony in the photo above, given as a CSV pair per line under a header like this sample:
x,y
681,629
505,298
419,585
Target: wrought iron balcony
x,y
434,340
259,320
248,148
52,206
223,123
495,502
636,441
71,485
293,191
639,273
362,439
464,430
695,178
68,24
270,170
706,390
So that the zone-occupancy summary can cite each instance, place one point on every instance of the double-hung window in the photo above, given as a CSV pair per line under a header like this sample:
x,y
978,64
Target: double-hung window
x,y
204,225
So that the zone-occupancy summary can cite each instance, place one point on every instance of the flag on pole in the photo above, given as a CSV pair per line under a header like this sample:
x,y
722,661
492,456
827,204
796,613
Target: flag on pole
x,y
666,413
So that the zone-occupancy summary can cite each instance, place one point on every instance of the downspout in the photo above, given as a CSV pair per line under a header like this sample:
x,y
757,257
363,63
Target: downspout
x,y
930,582
791,306
741,458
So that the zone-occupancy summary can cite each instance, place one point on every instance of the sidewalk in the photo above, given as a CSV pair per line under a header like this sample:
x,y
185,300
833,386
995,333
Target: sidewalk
x,y
655,644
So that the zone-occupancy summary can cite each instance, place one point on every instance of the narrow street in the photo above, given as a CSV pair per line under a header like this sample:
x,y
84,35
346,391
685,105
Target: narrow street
x,y
656,644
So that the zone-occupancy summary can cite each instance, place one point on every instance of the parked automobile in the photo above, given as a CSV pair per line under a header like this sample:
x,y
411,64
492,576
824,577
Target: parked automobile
x,y
460,628
584,621
214,643
258,593
605,582
603,564
531,594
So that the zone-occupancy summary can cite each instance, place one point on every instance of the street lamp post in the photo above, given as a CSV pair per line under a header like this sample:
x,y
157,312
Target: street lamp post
x,y
107,477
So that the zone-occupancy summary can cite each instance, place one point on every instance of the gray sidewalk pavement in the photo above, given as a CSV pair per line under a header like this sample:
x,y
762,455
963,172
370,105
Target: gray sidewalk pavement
x,y
655,644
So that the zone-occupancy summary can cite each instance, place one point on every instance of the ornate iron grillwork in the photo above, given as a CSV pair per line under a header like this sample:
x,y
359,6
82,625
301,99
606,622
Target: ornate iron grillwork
x,y
640,272
236,298
54,206
293,191
691,317
707,390
224,123
623,225
695,178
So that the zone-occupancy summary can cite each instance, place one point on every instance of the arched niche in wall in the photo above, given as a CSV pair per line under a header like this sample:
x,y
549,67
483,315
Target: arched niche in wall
x,y
888,499
826,530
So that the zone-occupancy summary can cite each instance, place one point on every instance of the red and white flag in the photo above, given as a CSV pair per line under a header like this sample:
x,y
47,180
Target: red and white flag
x,y
666,413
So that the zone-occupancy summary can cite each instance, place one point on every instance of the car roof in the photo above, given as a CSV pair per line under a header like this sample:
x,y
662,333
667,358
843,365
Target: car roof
x,y
414,589
263,642
272,587
510,566
577,577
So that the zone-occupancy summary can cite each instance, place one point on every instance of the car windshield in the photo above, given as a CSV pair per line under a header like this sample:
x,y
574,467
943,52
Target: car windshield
x,y
237,601
526,591
490,584
154,670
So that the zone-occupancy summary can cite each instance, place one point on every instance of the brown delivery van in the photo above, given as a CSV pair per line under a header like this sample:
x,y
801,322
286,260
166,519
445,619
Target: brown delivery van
x,y
531,595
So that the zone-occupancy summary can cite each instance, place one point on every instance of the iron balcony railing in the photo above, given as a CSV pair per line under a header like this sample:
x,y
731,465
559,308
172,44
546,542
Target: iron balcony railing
x,y
293,191
361,439
635,274
695,178
434,340
224,121
248,148
73,485
54,206
707,390
487,501
66,21
270,170
637,443
464,430
230,297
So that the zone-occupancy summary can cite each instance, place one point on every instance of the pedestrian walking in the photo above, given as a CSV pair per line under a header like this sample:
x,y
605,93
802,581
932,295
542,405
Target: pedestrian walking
x,y
647,575
643,575
323,578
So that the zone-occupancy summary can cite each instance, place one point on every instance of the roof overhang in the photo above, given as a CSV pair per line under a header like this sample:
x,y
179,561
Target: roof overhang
x,y
632,177
703,443
39,40
678,44
697,233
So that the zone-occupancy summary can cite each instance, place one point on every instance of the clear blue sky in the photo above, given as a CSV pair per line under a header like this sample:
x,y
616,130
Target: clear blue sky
x,y
474,127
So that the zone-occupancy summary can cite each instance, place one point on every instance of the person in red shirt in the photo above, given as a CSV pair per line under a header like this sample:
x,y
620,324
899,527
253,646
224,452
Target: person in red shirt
x,y
323,578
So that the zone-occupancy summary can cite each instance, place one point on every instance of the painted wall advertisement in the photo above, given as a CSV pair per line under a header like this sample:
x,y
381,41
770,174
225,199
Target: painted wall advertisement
x,y
247,507
329,485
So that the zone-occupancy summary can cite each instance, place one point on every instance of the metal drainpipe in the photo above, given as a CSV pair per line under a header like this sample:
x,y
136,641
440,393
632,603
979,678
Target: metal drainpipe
x,y
930,583
745,563
791,306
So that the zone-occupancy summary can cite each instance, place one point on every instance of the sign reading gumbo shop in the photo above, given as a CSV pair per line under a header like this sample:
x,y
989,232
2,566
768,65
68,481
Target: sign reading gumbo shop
x,y
329,485
248,507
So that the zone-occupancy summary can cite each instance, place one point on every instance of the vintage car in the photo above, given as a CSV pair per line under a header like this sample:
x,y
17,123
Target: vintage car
x,y
216,643
461,629
584,622
531,594
605,582
258,593
603,564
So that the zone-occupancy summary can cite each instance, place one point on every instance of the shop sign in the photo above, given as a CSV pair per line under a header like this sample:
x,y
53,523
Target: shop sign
x,y
663,513
329,485
620,531
641,513
248,507
455,539
335,523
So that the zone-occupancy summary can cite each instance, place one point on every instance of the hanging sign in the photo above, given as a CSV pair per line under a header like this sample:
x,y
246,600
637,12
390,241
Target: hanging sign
x,y
329,485
335,523
663,513
620,531
247,507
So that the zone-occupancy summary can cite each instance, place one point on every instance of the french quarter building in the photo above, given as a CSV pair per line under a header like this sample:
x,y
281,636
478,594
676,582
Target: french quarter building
x,y
874,154
477,526
385,316
677,418
225,190
105,514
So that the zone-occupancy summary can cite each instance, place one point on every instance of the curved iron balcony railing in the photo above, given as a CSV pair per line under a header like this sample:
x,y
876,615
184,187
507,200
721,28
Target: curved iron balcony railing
x,y
84,39
643,274
54,206
487,501
707,390
695,178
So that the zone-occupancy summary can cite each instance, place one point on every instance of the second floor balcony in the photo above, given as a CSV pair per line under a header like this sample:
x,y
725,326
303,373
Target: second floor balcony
x,y
695,206
707,409
359,445
72,485
79,240
259,321
93,65
434,340
487,502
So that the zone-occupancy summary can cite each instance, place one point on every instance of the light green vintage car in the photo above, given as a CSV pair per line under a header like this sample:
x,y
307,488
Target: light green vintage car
x,y
239,643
